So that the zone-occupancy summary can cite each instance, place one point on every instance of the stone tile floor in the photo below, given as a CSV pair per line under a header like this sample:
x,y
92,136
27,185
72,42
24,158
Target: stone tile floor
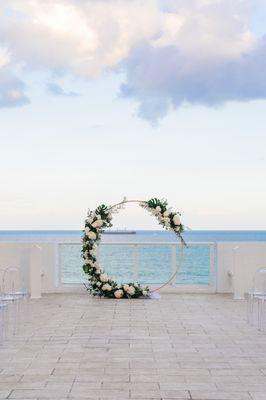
x,y
190,346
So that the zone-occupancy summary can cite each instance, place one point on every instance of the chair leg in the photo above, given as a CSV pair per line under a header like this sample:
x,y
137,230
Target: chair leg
x,y
261,314
250,306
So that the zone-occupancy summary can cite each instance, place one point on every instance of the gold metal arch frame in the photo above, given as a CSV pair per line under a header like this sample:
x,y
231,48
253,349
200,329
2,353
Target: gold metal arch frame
x,y
182,251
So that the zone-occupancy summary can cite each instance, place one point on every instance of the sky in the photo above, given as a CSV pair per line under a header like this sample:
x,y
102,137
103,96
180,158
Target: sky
x,y
105,99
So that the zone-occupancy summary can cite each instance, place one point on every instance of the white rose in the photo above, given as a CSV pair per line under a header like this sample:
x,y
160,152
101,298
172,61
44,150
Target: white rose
x,y
167,212
131,290
91,235
158,209
125,287
107,287
104,277
118,294
176,219
97,224
99,284
87,230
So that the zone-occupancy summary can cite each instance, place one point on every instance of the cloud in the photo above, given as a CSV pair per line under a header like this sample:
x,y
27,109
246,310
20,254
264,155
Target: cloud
x,y
172,52
11,88
57,90
161,78
12,91
4,57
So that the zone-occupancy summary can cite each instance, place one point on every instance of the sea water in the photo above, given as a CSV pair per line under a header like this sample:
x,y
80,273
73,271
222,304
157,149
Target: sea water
x,y
154,261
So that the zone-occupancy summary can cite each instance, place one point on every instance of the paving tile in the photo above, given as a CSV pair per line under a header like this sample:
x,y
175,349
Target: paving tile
x,y
258,395
180,346
4,393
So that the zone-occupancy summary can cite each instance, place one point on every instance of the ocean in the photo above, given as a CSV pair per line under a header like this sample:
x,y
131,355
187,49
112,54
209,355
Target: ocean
x,y
154,261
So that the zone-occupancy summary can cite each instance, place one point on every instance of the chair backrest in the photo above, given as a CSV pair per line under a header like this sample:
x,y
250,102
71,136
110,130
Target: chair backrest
x,y
259,280
11,281
2,270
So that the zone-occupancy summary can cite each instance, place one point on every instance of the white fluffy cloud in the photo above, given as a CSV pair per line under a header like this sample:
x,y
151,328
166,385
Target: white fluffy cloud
x,y
4,57
11,88
172,51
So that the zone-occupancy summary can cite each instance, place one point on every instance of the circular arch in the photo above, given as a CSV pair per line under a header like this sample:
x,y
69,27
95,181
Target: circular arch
x,y
99,283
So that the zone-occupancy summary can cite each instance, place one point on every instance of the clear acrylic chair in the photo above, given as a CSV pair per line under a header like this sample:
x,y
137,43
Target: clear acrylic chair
x,y
5,308
257,298
12,295
3,321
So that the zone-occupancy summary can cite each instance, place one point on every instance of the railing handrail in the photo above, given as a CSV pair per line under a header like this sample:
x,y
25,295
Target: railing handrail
x,y
143,243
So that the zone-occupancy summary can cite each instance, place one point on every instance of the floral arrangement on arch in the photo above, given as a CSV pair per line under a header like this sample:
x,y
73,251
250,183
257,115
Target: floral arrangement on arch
x,y
99,282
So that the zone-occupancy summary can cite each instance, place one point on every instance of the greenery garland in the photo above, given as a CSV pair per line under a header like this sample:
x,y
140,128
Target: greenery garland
x,y
100,284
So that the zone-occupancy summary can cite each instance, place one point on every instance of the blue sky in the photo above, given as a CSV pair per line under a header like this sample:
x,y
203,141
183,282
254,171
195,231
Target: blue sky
x,y
82,138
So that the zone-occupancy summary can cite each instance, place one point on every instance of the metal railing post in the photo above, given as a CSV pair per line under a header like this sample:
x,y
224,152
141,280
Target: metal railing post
x,y
56,265
136,263
211,266
173,263
59,264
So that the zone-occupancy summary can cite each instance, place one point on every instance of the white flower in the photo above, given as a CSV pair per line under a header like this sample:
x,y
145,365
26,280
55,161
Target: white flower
x,y
87,230
167,212
176,220
98,216
99,283
107,287
118,286
89,220
131,290
118,294
110,216
91,235
144,292
158,209
104,277
166,220
126,287
97,224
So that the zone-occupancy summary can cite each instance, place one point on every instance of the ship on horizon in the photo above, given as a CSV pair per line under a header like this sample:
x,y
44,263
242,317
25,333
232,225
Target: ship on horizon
x,y
120,232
